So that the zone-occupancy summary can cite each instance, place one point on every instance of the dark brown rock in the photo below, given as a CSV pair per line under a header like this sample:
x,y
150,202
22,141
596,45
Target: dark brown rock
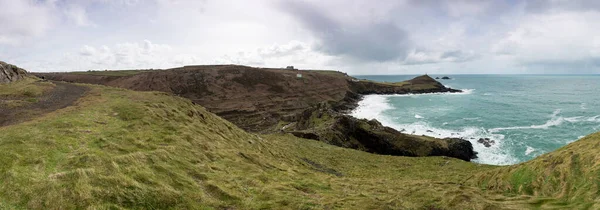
x,y
334,128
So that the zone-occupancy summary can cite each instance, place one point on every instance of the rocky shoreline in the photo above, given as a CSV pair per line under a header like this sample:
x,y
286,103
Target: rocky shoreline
x,y
313,105
331,123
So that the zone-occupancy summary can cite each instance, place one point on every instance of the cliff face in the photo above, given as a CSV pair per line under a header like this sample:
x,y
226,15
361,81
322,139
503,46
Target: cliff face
x,y
10,73
256,99
264,100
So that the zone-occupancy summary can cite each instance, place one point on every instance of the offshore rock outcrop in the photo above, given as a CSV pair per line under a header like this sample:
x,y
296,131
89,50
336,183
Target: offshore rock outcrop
x,y
324,124
10,73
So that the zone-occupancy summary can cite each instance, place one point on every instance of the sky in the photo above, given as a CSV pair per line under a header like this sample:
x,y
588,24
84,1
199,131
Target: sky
x,y
353,36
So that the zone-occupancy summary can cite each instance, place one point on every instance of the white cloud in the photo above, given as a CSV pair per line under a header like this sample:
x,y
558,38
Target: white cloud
x,y
128,55
424,57
78,15
296,53
564,37
384,37
24,19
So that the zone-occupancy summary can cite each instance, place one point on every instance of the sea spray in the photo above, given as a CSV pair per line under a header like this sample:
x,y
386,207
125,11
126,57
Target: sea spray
x,y
526,116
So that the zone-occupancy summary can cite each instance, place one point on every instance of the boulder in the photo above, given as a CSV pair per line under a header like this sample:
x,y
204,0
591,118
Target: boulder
x,y
487,142
10,73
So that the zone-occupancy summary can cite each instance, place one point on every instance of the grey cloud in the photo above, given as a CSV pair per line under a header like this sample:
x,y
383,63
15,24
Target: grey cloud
x,y
419,57
375,41
581,66
541,6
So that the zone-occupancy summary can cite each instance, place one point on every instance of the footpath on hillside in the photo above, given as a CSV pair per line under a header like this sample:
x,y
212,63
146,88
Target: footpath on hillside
x,y
61,96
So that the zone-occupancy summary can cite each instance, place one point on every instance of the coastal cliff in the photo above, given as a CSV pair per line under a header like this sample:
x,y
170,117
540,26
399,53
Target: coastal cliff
x,y
254,99
266,100
117,148
420,84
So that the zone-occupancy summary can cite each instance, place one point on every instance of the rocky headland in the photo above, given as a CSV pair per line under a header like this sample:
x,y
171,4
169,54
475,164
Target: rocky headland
x,y
307,104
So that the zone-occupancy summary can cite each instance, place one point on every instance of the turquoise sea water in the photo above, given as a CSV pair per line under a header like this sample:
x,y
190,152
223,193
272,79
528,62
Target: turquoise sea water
x,y
526,115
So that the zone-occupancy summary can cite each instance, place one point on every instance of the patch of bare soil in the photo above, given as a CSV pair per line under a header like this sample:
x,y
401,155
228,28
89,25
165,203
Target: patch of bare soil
x,y
61,96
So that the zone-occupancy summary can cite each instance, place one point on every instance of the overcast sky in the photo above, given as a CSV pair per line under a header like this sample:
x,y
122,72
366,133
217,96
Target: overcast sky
x,y
358,37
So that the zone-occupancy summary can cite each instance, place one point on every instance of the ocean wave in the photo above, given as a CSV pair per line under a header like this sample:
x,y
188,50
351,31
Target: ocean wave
x,y
374,106
371,107
419,116
555,120
494,155
529,150
594,119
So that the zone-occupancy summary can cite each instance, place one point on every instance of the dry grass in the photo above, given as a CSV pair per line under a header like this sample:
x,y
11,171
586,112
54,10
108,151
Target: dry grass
x,y
148,150
23,92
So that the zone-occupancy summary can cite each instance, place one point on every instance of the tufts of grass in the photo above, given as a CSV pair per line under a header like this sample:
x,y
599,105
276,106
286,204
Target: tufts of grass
x,y
566,178
28,87
164,152
23,92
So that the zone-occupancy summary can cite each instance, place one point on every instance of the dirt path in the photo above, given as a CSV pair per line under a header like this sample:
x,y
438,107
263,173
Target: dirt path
x,y
61,96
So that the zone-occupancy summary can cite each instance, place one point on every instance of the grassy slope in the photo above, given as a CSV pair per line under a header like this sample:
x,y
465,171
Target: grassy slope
x,y
124,149
570,175
23,92
112,72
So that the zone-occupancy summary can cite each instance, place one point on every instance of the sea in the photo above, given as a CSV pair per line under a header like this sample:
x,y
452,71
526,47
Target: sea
x,y
524,115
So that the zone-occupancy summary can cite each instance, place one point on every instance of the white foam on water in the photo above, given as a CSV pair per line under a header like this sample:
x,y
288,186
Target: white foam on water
x,y
574,119
494,155
583,106
419,116
487,94
529,150
594,119
555,120
373,107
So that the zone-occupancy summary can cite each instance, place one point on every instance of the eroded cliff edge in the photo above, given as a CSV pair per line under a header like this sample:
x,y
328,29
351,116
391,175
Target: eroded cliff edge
x,y
267,100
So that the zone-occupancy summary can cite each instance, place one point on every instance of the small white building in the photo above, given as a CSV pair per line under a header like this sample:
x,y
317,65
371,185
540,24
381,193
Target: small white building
x,y
299,75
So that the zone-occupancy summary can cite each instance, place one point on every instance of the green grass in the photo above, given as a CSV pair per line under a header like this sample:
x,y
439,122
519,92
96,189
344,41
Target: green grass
x,y
112,72
329,72
570,176
23,92
148,150
27,87
407,85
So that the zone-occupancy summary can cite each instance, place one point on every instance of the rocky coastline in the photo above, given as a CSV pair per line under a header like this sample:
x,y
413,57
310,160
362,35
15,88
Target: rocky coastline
x,y
312,106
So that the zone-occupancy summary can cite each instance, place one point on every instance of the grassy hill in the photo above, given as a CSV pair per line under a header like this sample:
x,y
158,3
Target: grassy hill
x,y
121,149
